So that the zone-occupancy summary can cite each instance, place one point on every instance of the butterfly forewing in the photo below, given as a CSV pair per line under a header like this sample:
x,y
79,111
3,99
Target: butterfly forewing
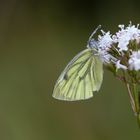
x,y
82,76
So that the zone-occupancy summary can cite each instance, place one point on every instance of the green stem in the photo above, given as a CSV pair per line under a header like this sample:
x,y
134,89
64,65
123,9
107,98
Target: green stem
x,y
133,95
130,93
130,82
136,100
131,98
138,119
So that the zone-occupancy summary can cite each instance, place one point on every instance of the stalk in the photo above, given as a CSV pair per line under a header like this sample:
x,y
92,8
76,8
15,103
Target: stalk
x,y
132,88
136,100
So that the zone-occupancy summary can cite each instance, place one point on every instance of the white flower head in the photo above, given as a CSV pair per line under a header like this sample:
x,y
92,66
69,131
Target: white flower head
x,y
125,35
105,40
113,48
134,61
104,43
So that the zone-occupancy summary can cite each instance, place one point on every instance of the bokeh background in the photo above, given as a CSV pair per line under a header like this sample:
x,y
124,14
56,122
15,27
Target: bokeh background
x,y
37,40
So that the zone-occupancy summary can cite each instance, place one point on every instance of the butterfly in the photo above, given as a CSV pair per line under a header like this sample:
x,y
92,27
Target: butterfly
x,y
82,76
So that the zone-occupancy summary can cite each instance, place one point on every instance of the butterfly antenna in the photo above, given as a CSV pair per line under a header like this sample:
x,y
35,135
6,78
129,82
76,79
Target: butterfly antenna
x,y
94,32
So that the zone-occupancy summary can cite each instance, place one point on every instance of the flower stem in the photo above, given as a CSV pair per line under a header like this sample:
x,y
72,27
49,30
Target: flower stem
x,y
138,119
136,99
131,98
132,88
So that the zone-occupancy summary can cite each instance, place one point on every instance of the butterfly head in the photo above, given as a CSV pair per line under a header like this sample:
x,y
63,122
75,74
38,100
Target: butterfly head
x,y
92,44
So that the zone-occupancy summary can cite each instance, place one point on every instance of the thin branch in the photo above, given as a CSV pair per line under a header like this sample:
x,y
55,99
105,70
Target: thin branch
x,y
131,98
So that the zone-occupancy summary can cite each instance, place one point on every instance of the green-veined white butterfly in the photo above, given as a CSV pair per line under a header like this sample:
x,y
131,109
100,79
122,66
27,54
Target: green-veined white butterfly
x,y
82,76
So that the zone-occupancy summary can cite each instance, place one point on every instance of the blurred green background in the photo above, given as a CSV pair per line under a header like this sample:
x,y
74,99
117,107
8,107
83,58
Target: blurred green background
x,y
37,40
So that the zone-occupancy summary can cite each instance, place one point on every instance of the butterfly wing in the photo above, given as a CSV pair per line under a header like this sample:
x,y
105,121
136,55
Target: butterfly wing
x,y
82,76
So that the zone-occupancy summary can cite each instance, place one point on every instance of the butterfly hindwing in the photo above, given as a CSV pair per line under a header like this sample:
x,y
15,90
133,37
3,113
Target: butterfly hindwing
x,y
82,76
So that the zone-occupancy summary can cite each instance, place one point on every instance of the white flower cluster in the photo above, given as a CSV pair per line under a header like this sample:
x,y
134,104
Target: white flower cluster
x,y
134,61
125,35
121,49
